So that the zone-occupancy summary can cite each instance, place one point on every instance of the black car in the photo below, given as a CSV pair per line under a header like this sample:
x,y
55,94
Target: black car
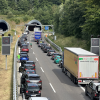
x,y
93,90
31,78
47,48
38,41
43,45
50,52
24,45
26,67
30,90
24,36
31,63
55,54
39,45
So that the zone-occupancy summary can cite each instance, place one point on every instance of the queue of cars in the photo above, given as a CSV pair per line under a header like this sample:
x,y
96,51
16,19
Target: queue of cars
x,y
31,83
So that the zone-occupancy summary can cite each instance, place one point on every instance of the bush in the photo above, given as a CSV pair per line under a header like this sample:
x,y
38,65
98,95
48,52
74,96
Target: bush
x,y
9,14
17,21
25,18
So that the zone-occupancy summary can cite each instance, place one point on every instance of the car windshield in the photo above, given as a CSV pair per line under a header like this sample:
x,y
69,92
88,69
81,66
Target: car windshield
x,y
25,47
29,62
23,55
34,78
52,51
33,88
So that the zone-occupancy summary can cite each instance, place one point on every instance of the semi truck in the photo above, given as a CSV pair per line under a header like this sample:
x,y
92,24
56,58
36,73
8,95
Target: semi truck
x,y
80,65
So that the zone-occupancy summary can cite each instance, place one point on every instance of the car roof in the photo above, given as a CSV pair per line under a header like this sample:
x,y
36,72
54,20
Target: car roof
x,y
96,82
30,70
39,98
25,44
51,50
57,56
33,75
32,84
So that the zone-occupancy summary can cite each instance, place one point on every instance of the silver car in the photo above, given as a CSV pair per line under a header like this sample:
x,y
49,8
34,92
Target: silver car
x,y
38,98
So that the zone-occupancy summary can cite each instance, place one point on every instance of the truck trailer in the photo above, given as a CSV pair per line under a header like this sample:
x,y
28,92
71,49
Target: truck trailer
x,y
80,65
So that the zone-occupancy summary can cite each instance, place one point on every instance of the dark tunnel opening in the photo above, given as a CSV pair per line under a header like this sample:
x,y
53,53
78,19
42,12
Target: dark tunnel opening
x,y
31,28
3,26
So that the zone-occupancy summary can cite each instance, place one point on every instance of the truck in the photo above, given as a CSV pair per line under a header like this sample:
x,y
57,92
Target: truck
x,y
37,35
80,65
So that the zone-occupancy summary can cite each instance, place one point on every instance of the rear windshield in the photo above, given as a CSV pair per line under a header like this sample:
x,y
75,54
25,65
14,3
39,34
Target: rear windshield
x,y
48,47
25,47
58,57
34,78
28,67
33,88
29,62
24,55
51,50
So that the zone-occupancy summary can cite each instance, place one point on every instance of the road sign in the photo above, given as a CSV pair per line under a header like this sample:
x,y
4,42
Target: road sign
x,y
46,27
6,45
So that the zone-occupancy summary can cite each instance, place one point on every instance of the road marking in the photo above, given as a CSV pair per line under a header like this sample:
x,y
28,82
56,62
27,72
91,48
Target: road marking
x,y
31,48
42,69
33,53
52,87
81,88
36,59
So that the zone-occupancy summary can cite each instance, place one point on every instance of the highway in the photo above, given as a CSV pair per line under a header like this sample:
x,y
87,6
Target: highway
x,y
55,84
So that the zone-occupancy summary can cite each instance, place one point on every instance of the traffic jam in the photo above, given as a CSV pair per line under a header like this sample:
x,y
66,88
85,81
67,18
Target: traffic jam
x,y
31,82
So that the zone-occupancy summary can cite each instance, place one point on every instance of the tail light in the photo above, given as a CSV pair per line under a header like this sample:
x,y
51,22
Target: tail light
x,y
32,72
33,69
26,69
53,56
27,72
79,80
95,94
33,64
56,59
26,91
39,91
28,81
40,81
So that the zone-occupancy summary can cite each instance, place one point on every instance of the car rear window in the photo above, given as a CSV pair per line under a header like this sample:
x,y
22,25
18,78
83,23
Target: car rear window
x,y
33,88
24,55
29,62
28,67
34,78
25,47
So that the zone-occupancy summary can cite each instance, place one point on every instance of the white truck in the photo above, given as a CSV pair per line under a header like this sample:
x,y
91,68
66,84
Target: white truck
x,y
80,65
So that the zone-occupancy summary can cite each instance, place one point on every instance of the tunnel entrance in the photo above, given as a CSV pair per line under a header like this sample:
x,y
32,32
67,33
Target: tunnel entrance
x,y
3,26
31,28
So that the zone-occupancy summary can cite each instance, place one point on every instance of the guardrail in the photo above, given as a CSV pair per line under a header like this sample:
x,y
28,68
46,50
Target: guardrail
x,y
53,44
15,84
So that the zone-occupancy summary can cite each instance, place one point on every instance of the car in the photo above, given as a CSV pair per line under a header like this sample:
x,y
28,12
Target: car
x,y
57,59
31,78
46,49
30,90
26,67
31,63
37,41
22,53
27,31
43,45
29,72
93,90
55,54
39,45
38,98
24,44
50,52
24,58
61,63
25,48
24,36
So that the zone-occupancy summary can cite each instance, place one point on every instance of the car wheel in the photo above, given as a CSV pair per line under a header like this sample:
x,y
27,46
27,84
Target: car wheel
x,y
86,91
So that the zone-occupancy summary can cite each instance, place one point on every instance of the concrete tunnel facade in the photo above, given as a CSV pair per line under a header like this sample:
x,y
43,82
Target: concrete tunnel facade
x,y
31,28
4,25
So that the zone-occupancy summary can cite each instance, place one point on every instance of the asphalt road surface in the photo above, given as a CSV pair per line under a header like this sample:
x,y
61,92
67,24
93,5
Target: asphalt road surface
x,y
55,84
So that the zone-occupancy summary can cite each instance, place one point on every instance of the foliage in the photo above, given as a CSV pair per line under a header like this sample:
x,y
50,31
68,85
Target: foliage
x,y
10,15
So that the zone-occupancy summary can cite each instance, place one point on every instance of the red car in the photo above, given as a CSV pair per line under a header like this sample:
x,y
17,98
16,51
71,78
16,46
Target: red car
x,y
25,49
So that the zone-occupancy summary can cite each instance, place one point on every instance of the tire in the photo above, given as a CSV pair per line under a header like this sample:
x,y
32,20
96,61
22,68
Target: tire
x,y
86,91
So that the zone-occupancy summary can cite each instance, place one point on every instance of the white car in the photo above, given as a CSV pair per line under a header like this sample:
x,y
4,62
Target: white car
x,y
38,98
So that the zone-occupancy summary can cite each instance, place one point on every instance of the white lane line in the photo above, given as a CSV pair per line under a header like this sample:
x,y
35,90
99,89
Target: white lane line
x,y
36,59
81,88
33,53
42,69
52,88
